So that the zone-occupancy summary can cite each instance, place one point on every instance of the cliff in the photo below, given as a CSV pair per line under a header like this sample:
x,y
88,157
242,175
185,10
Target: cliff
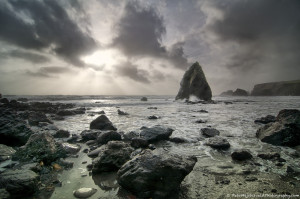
x,y
194,83
285,88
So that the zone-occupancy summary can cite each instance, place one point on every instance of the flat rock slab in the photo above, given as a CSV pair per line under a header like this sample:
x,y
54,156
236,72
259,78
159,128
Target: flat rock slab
x,y
210,132
218,143
156,133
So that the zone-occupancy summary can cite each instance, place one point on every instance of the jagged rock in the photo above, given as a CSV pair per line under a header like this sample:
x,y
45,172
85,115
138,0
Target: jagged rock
x,y
194,83
139,143
210,132
108,136
217,143
285,131
90,134
266,120
287,88
122,112
112,156
102,123
156,133
62,134
6,152
84,192
19,182
41,147
240,92
241,155
150,175
144,99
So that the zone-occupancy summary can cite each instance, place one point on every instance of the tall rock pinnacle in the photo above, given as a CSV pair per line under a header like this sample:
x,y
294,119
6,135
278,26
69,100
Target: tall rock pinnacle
x,y
194,83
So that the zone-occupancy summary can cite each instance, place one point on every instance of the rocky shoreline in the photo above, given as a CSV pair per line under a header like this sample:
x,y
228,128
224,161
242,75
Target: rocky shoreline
x,y
34,154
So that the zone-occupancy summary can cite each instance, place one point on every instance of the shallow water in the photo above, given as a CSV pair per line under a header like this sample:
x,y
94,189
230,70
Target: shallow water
x,y
234,121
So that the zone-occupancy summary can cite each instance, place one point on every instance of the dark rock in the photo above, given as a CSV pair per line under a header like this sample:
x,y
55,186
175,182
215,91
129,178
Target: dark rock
x,y
19,182
65,163
194,83
108,136
94,153
217,143
57,117
84,192
102,123
287,88
155,108
201,121
228,103
130,135
269,156
122,112
73,139
41,147
4,101
65,113
241,155
91,142
79,110
139,143
156,133
155,176
62,134
71,148
85,150
285,131
210,132
153,117
89,134
251,178
202,111
112,156
240,92
266,120
227,93
36,117
144,99
6,152
177,140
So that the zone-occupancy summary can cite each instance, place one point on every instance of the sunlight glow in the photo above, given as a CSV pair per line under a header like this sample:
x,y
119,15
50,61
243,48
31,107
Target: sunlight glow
x,y
107,57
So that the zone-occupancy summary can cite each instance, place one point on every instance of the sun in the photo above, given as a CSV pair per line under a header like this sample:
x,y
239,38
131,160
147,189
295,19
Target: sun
x,y
107,57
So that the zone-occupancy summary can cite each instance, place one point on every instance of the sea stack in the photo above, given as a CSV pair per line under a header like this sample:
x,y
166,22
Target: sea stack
x,y
194,83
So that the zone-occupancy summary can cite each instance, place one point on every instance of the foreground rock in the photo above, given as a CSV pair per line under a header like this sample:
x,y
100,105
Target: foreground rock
x,y
84,192
40,147
241,155
218,143
287,88
155,176
6,152
19,182
108,136
87,135
62,134
112,156
102,123
285,131
210,132
36,117
156,133
194,83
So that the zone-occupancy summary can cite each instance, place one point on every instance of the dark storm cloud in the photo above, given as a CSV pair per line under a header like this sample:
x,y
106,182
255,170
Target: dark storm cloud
x,y
262,28
140,32
49,71
32,57
45,24
131,71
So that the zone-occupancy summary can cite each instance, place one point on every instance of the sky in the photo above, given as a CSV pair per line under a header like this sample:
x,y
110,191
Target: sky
x,y
143,47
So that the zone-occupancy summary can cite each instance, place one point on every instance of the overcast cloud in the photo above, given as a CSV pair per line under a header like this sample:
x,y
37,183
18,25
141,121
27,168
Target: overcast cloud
x,y
144,47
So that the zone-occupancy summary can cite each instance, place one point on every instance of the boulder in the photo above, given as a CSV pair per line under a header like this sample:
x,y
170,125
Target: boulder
x,y
122,112
102,123
112,156
177,140
84,192
105,137
36,117
139,143
144,99
71,148
62,134
40,147
6,152
266,120
130,135
240,92
153,117
4,101
210,132
156,133
285,131
194,83
151,175
218,143
19,182
90,134
241,155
